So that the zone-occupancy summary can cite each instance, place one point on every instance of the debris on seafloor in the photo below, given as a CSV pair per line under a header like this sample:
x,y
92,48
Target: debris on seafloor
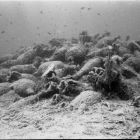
x,y
75,73
101,72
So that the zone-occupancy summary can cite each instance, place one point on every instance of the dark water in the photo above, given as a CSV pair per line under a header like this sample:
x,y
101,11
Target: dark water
x,y
25,23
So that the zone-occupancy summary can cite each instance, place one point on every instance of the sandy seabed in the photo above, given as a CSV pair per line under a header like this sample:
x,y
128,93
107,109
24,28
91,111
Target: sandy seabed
x,y
107,119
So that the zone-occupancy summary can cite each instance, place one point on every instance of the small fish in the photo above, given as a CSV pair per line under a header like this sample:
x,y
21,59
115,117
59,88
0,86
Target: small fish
x,y
37,27
2,32
98,14
82,8
89,8
13,38
41,12
19,4
49,33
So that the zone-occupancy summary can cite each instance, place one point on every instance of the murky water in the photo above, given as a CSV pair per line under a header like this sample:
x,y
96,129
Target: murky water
x,y
25,23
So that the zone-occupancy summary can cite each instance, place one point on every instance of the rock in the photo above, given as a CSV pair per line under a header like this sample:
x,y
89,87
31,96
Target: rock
x,y
9,63
59,67
136,101
84,37
4,88
4,73
94,75
76,54
74,40
28,76
87,98
133,62
26,58
23,102
117,59
9,98
72,88
20,51
137,53
48,91
128,72
108,40
133,46
69,70
37,61
56,98
49,71
57,42
44,66
28,68
23,87
105,34
5,58
45,50
59,54
126,56
123,50
95,52
52,73
95,62
103,52
14,76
